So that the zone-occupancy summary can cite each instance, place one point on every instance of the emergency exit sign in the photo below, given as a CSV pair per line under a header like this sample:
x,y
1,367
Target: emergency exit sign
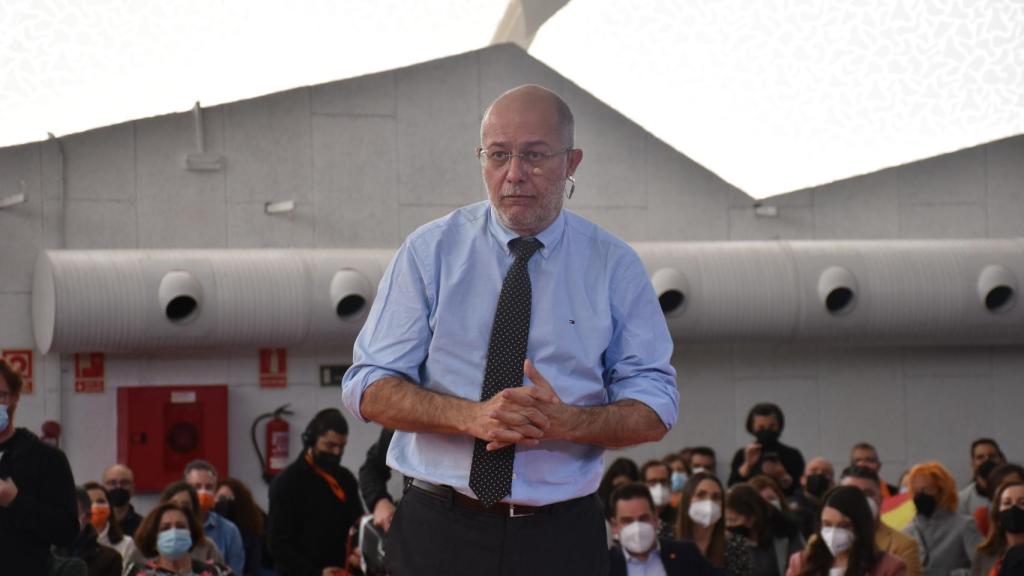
x,y
332,375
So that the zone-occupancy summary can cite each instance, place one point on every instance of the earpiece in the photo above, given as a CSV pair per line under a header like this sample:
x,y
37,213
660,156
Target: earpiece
x,y
573,189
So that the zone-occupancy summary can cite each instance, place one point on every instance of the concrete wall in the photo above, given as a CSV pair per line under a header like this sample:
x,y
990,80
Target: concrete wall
x,y
369,159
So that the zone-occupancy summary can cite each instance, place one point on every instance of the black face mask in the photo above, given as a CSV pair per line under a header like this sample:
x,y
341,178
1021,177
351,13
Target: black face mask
x,y
981,475
327,461
1012,520
118,497
925,504
817,485
741,531
226,508
767,436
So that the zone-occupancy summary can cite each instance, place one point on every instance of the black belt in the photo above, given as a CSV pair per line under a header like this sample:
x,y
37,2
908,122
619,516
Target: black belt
x,y
507,509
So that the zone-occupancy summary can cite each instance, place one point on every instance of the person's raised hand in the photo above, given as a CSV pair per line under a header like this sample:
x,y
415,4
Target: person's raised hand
x,y
751,456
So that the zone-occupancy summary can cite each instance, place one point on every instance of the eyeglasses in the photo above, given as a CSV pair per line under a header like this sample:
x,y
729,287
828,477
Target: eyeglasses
x,y
124,483
499,158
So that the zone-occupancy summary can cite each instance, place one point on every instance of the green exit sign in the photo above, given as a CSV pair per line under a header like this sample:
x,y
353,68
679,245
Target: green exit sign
x,y
332,375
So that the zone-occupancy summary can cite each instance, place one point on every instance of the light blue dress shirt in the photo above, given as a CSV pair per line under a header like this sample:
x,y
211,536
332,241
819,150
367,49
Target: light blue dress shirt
x,y
226,536
597,334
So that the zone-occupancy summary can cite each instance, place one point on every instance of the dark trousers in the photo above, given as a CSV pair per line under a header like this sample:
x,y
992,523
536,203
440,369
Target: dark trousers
x,y
431,535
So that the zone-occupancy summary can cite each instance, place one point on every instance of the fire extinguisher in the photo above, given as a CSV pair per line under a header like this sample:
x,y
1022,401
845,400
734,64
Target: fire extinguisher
x,y
275,441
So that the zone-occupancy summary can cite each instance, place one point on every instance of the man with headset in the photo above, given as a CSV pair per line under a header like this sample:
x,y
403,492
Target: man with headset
x,y
314,502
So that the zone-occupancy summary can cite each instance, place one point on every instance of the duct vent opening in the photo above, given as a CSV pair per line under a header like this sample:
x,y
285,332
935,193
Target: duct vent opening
x,y
997,288
349,293
180,295
671,300
671,287
837,290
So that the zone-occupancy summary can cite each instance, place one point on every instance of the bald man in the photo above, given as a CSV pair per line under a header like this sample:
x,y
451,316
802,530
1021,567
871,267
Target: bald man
x,y
510,343
119,481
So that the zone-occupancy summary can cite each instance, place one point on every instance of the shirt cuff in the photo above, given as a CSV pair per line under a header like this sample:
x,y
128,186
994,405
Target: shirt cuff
x,y
659,396
353,388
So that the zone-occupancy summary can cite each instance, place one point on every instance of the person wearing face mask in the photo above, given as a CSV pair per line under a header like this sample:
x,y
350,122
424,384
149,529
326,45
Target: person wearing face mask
x,y
202,476
1006,520
100,560
37,490
766,422
946,539
985,456
235,503
119,480
769,540
639,551
183,496
167,536
817,479
109,532
844,545
703,459
886,539
792,516
656,475
314,503
701,521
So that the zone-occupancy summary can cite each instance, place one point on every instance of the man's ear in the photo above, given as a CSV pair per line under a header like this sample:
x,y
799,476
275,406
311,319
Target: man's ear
x,y
575,157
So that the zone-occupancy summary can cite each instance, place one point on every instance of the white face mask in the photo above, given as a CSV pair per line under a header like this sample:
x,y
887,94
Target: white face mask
x,y
699,469
776,503
637,537
660,494
705,512
836,571
838,540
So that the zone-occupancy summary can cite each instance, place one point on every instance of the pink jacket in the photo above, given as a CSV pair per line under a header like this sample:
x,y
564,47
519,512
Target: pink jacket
x,y
889,565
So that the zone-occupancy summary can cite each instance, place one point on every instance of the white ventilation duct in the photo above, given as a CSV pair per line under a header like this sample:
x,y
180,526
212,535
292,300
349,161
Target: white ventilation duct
x,y
892,292
138,301
935,292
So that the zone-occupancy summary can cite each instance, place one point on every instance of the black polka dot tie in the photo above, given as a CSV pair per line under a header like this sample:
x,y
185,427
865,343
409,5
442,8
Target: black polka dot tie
x,y
490,476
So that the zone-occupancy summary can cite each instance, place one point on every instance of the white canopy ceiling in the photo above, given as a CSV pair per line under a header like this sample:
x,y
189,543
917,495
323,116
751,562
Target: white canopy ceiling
x,y
772,95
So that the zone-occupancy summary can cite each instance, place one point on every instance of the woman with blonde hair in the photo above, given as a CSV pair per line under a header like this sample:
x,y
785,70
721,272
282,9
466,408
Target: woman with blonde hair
x,y
947,540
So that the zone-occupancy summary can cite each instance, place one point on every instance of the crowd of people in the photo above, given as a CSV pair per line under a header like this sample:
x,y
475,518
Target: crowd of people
x,y
777,516
774,515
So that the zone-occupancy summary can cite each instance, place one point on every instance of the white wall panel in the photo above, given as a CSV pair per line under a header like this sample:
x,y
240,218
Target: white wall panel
x,y
267,145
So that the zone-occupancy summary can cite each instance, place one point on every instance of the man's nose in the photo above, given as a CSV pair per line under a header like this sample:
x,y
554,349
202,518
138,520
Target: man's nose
x,y
517,169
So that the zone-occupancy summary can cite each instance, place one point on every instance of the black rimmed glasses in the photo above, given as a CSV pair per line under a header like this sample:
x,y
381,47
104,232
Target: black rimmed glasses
x,y
500,158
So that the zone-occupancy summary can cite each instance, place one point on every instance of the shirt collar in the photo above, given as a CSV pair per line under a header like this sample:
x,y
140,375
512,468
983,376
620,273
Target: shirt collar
x,y
549,237
654,553
212,520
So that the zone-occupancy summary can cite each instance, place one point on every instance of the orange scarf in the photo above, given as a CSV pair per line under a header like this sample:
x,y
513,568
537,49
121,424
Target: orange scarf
x,y
331,481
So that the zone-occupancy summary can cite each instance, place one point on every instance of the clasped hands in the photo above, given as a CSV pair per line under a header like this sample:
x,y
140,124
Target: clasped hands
x,y
524,415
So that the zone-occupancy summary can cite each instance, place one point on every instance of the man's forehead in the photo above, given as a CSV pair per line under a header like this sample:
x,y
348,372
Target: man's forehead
x,y
633,507
200,475
118,472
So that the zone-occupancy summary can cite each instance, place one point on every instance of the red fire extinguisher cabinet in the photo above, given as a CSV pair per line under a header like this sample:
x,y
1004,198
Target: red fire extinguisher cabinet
x,y
160,429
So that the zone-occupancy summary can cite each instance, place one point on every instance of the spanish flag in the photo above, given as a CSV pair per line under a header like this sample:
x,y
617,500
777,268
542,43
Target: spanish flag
x,y
898,511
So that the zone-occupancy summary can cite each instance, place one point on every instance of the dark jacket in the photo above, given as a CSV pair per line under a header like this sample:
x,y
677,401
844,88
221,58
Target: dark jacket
x,y
678,558
790,458
44,513
130,522
101,560
308,524
375,473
